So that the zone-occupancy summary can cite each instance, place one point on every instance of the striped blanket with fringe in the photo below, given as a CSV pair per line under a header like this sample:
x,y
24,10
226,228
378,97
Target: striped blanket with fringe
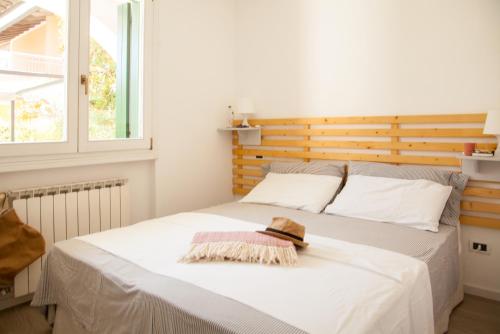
x,y
241,247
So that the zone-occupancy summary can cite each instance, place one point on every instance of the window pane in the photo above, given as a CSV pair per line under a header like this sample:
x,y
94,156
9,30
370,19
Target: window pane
x,y
114,70
33,71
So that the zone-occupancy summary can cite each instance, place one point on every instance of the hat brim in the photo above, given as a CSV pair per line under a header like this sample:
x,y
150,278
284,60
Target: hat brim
x,y
285,237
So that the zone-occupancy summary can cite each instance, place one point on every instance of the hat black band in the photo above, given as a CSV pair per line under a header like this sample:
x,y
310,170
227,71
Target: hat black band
x,y
284,233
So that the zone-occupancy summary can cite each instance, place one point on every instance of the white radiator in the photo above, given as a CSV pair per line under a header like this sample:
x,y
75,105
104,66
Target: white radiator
x,y
66,211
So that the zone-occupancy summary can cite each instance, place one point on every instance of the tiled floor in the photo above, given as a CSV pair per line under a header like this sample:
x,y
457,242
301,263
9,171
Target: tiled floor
x,y
476,315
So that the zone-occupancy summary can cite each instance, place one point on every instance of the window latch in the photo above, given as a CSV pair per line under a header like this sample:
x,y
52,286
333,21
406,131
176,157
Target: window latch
x,y
84,80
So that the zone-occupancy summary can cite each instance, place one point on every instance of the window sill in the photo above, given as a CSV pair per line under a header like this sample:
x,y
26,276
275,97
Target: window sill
x,y
19,164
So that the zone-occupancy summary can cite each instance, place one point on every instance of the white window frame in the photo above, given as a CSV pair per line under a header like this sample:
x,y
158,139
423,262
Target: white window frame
x,y
86,145
70,145
77,143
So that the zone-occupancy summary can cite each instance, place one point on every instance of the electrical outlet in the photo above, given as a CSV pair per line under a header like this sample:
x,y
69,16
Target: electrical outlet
x,y
6,293
478,247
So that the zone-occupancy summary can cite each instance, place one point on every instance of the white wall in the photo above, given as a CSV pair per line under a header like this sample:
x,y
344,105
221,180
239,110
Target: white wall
x,y
359,57
482,272
139,174
195,78
328,57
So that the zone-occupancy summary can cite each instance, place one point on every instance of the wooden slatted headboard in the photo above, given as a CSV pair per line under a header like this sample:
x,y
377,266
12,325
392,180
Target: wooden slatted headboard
x,y
434,140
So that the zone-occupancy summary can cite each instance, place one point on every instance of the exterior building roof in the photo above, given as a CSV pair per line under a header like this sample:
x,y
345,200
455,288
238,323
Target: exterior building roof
x,y
7,4
23,25
20,72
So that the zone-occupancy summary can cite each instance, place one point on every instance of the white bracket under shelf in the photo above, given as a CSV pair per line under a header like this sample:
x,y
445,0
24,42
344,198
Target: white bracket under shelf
x,y
481,168
247,136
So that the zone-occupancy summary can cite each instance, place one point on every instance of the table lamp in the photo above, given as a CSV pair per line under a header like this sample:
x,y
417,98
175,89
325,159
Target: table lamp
x,y
492,127
245,107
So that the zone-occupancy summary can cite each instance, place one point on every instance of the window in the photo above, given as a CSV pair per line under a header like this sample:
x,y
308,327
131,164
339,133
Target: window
x,y
72,73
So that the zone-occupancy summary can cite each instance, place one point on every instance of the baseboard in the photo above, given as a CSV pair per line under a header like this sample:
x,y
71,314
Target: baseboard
x,y
7,299
481,292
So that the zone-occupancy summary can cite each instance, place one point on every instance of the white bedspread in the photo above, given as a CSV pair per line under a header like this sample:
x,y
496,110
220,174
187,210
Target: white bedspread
x,y
337,287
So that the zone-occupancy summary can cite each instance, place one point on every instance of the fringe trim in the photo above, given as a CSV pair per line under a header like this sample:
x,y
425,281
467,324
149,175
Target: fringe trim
x,y
241,252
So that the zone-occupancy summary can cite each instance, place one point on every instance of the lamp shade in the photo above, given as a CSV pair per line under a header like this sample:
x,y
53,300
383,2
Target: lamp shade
x,y
492,124
245,106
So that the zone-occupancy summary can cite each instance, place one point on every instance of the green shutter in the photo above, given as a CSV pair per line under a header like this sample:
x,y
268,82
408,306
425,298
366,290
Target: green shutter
x,y
134,73
122,72
128,71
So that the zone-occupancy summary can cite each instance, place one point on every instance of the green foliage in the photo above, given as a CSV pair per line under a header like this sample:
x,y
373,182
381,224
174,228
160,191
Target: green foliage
x,y
4,133
4,123
102,97
38,120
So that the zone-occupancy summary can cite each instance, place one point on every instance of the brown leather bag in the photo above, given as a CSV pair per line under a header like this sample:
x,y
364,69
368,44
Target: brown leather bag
x,y
20,245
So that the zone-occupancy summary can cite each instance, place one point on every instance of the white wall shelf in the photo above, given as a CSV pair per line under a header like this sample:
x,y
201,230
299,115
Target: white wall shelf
x,y
481,168
247,136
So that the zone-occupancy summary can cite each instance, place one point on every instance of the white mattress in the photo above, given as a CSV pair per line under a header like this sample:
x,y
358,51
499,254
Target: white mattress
x,y
439,250
337,286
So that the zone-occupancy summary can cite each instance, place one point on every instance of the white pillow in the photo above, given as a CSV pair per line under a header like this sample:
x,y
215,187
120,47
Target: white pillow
x,y
414,203
306,192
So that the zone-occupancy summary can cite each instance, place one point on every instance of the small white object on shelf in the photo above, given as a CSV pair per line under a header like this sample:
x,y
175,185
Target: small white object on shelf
x,y
235,128
247,136
230,116
484,155
492,127
481,168
472,157
245,107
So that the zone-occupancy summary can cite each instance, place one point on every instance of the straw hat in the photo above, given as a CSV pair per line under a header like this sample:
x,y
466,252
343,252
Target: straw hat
x,y
287,229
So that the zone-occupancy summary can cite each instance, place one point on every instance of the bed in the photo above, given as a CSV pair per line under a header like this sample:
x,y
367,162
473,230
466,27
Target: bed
x,y
382,278
100,285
